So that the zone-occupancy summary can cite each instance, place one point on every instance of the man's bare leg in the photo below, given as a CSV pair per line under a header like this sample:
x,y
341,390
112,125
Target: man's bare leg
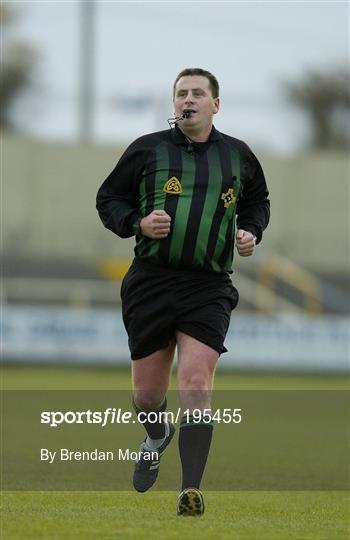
x,y
196,369
150,376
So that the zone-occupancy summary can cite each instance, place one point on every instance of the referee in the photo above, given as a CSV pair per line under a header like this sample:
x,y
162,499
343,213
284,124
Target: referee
x,y
181,192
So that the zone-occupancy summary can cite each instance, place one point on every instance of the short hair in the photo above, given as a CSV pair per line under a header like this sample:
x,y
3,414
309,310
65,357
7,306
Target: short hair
x,y
213,82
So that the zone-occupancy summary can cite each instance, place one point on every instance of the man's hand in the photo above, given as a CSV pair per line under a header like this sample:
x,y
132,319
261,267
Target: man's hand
x,y
245,242
156,225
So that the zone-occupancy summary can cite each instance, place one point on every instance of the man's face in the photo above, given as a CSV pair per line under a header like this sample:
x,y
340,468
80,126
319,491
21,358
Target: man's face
x,y
193,93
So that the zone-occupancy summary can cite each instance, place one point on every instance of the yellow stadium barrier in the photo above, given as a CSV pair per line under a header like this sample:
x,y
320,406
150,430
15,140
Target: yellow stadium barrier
x,y
278,268
115,268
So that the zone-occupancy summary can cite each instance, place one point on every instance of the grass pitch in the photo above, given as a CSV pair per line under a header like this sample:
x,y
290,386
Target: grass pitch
x,y
53,377
127,515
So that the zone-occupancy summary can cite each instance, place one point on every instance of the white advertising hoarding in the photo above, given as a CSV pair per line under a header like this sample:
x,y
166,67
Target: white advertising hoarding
x,y
284,341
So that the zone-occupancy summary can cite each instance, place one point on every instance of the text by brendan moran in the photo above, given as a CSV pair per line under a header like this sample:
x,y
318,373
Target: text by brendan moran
x,y
121,454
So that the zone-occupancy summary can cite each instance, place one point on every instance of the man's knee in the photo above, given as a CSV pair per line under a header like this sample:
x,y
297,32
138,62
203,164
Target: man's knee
x,y
195,390
191,380
144,400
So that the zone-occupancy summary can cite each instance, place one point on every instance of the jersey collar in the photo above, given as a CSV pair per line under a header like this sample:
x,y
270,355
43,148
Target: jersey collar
x,y
179,138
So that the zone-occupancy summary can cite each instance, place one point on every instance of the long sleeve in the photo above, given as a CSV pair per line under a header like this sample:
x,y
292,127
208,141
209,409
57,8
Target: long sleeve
x,y
117,199
253,207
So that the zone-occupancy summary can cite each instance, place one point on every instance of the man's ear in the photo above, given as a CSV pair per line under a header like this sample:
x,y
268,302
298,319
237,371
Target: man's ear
x,y
216,105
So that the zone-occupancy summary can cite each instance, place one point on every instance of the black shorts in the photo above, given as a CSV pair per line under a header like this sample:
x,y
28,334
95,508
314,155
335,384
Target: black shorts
x,y
156,301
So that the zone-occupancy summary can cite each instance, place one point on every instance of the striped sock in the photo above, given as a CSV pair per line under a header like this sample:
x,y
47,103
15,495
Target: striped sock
x,y
194,445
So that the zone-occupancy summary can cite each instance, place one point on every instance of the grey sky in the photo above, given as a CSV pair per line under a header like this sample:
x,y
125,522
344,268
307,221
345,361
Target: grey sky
x,y
140,47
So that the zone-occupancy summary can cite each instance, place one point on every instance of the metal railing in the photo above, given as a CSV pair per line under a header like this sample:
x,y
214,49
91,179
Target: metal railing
x,y
279,269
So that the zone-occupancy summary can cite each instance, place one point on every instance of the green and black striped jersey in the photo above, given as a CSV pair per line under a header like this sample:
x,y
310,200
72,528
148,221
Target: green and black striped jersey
x,y
204,187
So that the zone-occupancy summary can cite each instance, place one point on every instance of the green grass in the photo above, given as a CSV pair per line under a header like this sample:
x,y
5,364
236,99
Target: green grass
x,y
127,515
24,377
229,515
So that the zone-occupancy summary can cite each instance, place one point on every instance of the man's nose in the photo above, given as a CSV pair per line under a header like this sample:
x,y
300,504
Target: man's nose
x,y
189,98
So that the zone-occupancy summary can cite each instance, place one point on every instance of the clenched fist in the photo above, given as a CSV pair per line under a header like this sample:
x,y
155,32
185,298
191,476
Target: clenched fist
x,y
245,242
156,225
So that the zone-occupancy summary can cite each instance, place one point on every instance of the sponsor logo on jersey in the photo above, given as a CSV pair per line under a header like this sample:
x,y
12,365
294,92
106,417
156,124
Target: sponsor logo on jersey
x,y
228,198
173,186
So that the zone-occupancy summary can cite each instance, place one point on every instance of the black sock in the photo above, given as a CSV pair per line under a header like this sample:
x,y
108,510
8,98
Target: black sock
x,y
154,430
194,445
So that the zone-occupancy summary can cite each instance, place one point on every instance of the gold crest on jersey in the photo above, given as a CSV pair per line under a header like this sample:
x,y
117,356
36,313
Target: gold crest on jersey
x,y
173,186
228,198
